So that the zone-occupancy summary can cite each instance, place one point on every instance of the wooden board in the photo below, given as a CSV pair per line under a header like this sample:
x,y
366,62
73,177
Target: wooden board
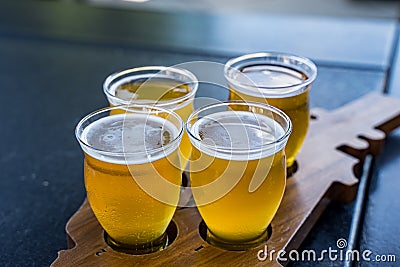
x,y
329,163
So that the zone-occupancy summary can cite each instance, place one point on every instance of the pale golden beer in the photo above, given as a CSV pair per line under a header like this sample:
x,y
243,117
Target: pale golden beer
x,y
238,170
279,80
121,151
166,87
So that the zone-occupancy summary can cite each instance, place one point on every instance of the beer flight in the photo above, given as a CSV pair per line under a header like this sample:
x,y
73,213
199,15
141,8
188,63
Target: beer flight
x,y
238,152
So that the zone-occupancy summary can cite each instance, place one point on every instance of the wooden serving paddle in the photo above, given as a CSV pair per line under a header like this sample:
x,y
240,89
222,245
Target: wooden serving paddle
x,y
329,163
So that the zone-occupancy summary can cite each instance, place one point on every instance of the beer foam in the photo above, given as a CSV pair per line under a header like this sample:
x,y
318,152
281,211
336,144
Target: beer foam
x,y
154,98
237,135
125,138
261,80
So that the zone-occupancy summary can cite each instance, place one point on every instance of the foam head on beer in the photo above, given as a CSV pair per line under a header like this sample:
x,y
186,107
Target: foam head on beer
x,y
133,135
241,135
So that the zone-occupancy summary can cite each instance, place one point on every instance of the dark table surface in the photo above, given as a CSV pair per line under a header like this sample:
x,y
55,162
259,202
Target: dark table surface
x,y
54,57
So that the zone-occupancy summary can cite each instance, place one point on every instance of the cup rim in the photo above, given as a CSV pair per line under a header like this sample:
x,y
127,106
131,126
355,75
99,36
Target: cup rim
x,y
278,142
235,65
144,109
152,72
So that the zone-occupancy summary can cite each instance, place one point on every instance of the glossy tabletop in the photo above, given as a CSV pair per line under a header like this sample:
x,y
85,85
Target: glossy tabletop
x,y
54,57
